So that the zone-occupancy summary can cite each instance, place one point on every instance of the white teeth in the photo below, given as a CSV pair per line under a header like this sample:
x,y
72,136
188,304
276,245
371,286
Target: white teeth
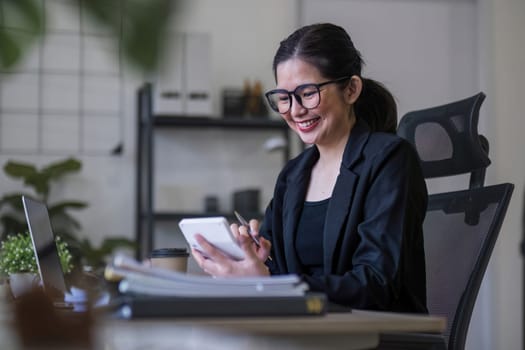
x,y
306,123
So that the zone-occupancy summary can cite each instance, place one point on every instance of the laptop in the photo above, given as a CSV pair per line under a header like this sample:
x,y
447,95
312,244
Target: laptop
x,y
46,252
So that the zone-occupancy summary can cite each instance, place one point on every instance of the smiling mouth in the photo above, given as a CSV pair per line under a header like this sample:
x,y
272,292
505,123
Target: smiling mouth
x,y
307,125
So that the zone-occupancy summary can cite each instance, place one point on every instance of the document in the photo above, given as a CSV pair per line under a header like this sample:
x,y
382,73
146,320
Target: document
x,y
153,281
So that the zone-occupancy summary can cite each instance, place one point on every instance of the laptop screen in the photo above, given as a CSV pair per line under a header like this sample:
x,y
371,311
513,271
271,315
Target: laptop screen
x,y
46,251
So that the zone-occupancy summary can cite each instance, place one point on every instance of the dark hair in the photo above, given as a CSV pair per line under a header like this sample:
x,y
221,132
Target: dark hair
x,y
330,49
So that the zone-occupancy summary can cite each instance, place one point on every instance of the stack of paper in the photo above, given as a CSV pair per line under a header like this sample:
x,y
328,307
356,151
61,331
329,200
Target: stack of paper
x,y
140,279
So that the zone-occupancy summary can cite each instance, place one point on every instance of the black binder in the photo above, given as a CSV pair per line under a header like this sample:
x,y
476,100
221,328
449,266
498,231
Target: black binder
x,y
145,306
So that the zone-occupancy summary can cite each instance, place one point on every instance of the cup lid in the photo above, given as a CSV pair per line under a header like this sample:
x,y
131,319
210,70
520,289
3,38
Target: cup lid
x,y
169,253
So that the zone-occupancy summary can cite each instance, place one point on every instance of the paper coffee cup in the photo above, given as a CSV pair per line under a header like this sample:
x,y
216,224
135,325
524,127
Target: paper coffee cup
x,y
175,259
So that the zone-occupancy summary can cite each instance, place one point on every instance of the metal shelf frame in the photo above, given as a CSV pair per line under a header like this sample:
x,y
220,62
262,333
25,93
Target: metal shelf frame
x,y
147,122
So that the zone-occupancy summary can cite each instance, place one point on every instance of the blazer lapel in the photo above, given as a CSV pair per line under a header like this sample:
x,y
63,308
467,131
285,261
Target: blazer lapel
x,y
343,193
297,185
336,215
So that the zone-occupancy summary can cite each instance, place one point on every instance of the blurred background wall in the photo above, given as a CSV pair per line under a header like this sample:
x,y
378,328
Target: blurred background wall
x,y
428,52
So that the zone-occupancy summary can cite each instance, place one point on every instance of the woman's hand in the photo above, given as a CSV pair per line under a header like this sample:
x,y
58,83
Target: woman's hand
x,y
217,263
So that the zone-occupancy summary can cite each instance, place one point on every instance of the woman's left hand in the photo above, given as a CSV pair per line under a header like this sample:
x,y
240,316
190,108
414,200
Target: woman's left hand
x,y
217,263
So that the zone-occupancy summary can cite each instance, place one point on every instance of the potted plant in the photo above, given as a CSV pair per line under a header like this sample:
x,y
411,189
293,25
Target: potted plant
x,y
64,225
18,263
40,181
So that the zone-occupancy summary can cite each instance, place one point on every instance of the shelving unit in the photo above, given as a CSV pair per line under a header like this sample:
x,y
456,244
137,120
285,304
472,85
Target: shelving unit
x,y
147,123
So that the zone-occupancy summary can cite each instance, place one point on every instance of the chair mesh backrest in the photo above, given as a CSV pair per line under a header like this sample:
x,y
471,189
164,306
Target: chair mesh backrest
x,y
446,137
460,230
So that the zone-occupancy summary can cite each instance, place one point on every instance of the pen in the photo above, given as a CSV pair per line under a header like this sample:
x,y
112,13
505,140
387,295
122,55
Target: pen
x,y
243,222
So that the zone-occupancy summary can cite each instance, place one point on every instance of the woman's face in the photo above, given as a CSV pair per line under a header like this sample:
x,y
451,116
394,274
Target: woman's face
x,y
325,124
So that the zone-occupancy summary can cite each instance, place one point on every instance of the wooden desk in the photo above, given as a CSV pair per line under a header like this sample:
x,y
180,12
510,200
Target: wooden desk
x,y
356,330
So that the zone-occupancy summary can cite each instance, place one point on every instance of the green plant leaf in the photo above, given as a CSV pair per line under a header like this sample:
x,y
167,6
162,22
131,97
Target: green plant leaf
x,y
12,220
61,206
63,223
86,244
56,170
40,182
19,170
62,220
17,254
110,244
90,256
10,50
144,38
14,200
28,12
12,224
29,174
105,12
26,19
145,23
72,240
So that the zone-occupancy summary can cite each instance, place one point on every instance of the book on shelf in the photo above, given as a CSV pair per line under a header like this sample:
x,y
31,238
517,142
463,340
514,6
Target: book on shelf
x,y
156,292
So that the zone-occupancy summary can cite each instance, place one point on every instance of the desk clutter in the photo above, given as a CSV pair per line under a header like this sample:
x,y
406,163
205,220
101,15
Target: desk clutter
x,y
148,291
138,278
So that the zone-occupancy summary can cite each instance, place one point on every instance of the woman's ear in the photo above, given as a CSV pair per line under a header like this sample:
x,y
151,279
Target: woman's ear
x,y
353,89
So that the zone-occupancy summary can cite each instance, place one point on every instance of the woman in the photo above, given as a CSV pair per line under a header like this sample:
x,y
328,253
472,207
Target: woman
x,y
347,212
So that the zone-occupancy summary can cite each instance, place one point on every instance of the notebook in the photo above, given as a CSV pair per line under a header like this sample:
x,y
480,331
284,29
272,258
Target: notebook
x,y
46,253
144,306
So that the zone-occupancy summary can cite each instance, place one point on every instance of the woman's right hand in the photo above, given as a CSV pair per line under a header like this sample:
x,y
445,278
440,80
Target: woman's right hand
x,y
213,261
263,251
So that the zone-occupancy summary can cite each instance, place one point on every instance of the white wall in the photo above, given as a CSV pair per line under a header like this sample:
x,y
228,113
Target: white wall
x,y
423,51
505,126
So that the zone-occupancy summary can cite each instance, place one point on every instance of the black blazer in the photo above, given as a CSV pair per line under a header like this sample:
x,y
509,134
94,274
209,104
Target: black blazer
x,y
372,240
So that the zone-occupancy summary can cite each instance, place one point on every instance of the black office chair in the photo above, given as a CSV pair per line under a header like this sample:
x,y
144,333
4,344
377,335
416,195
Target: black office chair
x,y
460,231
523,258
447,141
460,227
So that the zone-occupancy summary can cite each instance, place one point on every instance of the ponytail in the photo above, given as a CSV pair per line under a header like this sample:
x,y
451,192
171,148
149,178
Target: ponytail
x,y
377,107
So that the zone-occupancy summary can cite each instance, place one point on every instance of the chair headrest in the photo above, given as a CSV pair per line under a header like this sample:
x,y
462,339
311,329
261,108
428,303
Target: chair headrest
x,y
446,137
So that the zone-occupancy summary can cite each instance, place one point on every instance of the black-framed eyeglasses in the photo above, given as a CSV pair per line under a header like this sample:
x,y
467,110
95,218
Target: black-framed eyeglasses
x,y
308,96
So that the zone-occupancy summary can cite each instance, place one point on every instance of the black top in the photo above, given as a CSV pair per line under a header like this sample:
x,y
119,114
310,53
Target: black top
x,y
373,251
309,236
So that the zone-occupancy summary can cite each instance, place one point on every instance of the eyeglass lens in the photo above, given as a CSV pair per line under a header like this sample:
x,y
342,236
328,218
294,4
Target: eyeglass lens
x,y
306,95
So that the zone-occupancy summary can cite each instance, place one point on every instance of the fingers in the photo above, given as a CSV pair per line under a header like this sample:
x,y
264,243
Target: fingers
x,y
235,231
200,259
264,250
265,244
206,264
254,226
209,249
247,245
243,230
254,252
239,229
